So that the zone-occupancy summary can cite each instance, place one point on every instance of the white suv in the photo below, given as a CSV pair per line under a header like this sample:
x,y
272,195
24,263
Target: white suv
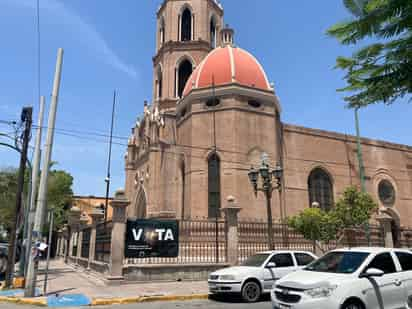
x,y
258,273
357,278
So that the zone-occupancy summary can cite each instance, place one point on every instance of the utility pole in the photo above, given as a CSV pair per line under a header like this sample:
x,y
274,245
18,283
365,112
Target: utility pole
x,y
359,152
46,275
26,117
361,169
41,200
34,178
107,180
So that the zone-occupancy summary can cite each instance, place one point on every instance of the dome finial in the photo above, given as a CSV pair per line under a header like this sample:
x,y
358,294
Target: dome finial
x,y
227,35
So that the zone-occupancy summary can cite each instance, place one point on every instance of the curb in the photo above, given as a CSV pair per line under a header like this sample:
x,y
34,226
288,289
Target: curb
x,y
42,301
145,299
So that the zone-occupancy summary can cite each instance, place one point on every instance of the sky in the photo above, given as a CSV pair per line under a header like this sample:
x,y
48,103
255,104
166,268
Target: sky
x,y
109,45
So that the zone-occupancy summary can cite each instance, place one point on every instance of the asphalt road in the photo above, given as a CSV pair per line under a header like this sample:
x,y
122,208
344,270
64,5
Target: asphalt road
x,y
210,304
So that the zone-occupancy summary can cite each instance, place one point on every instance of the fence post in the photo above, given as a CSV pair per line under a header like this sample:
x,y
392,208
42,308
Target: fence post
x,y
66,241
231,211
97,216
83,224
74,221
119,205
385,222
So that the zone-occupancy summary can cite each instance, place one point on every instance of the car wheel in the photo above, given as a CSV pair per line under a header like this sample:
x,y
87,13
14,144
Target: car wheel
x,y
352,305
251,291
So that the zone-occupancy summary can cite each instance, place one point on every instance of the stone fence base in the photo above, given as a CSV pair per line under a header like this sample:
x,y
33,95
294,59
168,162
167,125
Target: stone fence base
x,y
169,272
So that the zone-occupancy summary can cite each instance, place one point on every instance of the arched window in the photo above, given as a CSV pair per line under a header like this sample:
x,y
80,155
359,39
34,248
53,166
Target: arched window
x,y
184,71
320,189
214,186
213,32
159,83
186,28
162,29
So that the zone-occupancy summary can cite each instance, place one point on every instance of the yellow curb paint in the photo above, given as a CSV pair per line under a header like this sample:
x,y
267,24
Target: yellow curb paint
x,y
24,301
144,299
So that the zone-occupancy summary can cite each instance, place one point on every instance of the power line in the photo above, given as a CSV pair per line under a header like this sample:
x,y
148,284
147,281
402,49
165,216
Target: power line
x,y
90,133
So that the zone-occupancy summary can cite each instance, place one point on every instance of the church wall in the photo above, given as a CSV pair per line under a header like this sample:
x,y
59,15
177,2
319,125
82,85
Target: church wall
x,y
241,137
306,149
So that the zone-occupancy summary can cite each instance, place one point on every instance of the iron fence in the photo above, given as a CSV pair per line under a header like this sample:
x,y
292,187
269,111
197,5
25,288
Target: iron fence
x,y
253,238
86,243
103,242
405,238
200,242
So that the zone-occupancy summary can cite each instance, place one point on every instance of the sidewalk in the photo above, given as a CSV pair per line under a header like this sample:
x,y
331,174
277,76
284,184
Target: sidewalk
x,y
65,279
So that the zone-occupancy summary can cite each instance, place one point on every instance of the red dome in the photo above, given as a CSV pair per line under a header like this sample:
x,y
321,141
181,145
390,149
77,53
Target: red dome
x,y
227,65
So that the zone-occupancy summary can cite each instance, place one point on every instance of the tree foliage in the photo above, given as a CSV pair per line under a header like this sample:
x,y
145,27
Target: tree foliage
x,y
380,71
352,210
8,189
59,195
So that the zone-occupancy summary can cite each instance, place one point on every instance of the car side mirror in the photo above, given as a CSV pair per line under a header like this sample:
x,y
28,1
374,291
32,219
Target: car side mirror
x,y
372,272
271,265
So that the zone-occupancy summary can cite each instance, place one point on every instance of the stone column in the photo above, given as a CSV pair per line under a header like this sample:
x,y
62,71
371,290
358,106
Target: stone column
x,y
231,211
119,205
97,216
385,222
83,224
74,221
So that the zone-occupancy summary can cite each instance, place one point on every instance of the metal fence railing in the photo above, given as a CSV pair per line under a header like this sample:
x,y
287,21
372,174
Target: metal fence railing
x,y
103,242
86,243
405,238
253,238
200,242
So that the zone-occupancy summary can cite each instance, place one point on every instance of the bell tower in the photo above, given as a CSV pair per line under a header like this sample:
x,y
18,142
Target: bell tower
x,y
187,30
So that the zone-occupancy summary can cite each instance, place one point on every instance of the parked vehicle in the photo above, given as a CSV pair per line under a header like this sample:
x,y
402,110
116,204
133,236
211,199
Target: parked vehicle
x,y
356,278
4,249
258,273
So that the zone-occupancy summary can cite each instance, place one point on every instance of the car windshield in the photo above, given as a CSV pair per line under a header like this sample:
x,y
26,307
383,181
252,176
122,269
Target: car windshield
x,y
338,262
256,260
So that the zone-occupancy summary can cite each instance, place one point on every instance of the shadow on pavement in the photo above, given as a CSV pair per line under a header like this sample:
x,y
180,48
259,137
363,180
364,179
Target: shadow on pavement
x,y
234,298
59,291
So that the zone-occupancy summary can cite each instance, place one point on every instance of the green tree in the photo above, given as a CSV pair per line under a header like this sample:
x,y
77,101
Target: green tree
x,y
316,225
380,71
8,189
352,210
59,195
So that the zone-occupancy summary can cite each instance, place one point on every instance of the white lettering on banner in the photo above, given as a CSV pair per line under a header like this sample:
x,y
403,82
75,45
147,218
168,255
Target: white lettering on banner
x,y
169,235
160,233
137,235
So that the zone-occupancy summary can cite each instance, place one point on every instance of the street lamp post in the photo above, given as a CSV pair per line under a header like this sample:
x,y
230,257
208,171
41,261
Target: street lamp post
x,y
271,180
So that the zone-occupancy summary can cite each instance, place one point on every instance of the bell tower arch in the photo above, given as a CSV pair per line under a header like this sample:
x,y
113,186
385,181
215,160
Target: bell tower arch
x,y
187,30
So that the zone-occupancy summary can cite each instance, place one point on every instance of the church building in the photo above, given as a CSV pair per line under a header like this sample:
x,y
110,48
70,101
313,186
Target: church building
x,y
214,113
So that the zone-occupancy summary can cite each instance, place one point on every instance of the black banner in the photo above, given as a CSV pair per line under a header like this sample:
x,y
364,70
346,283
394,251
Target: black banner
x,y
152,238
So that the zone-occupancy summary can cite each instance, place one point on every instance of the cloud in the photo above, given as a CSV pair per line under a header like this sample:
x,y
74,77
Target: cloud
x,y
84,30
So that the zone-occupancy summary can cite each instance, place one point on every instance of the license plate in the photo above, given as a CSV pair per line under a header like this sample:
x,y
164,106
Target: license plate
x,y
212,286
280,306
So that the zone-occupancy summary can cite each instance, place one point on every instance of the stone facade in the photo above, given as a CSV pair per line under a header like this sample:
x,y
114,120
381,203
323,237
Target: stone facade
x,y
88,204
169,152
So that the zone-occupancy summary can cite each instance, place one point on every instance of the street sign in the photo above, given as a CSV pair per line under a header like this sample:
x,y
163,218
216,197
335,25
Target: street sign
x,y
152,238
